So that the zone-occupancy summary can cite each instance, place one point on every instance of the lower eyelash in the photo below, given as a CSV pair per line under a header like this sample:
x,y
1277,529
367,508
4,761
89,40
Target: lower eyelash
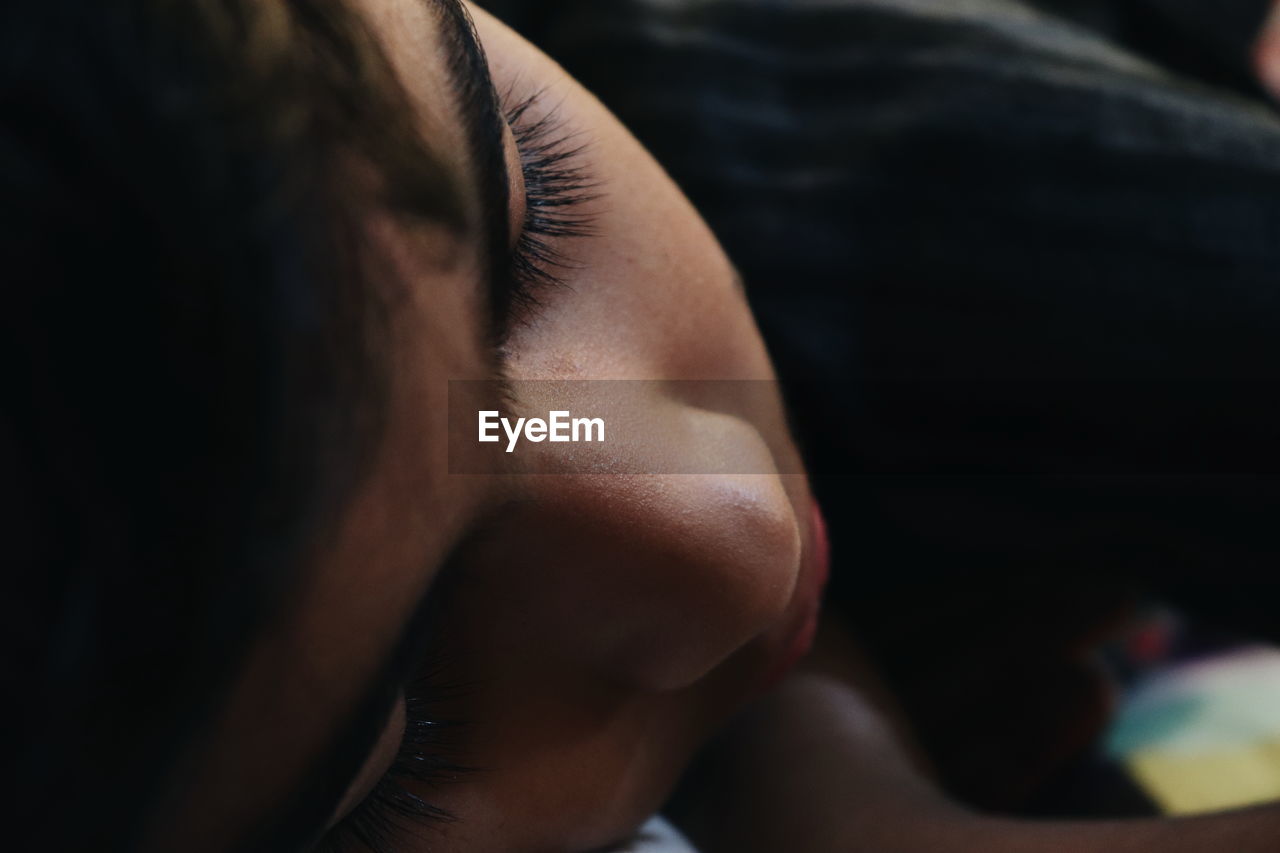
x,y
556,185
391,811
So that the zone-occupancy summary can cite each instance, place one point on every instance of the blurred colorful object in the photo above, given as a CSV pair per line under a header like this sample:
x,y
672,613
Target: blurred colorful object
x,y
1204,734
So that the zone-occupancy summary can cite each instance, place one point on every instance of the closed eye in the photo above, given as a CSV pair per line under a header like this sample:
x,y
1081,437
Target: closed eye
x,y
557,186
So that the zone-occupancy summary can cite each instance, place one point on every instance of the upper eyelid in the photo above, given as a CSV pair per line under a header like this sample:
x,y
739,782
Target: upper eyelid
x,y
350,804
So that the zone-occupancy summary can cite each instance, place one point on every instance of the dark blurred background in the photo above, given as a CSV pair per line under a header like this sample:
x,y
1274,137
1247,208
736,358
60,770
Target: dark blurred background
x,y
1017,265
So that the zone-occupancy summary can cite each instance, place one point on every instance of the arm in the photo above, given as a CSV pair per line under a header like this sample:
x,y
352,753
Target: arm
x,y
827,764
817,769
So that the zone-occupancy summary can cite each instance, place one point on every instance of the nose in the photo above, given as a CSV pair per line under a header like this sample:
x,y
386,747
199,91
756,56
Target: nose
x,y
681,570
676,527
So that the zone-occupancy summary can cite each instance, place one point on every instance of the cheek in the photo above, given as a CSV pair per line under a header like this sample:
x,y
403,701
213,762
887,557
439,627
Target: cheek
x,y
644,582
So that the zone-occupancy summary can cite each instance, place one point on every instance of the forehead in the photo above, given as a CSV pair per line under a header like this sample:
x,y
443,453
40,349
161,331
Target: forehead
x,y
313,666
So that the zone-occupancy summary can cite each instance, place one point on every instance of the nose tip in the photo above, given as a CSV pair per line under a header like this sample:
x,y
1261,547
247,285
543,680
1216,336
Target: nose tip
x,y
728,563
758,538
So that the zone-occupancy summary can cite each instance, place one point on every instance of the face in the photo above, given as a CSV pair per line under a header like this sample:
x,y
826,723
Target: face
x,y
586,631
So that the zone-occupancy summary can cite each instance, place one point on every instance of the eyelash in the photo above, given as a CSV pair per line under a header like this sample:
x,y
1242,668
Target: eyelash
x,y
556,185
426,755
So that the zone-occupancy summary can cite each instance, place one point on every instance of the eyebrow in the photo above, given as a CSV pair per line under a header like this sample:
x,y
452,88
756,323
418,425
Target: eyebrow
x,y
308,807
482,118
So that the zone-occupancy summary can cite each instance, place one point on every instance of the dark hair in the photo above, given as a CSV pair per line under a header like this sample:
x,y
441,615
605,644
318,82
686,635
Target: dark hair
x,y
190,341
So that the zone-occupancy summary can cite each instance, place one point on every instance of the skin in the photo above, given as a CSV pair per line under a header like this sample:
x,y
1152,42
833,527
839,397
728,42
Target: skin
x,y
604,624
1266,55
820,766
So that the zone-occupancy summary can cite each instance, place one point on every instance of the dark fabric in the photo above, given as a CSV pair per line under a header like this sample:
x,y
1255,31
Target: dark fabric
x,y
1207,40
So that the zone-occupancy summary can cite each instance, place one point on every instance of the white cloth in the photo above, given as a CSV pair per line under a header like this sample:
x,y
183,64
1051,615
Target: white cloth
x,y
658,836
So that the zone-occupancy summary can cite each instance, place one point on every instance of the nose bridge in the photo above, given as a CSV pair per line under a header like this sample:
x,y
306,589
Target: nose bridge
x,y
757,402
648,427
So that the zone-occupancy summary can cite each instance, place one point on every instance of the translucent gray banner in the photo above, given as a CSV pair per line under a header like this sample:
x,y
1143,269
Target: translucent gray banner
x,y
618,427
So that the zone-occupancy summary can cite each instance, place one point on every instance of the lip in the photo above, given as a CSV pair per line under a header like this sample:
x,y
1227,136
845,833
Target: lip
x,y
816,570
